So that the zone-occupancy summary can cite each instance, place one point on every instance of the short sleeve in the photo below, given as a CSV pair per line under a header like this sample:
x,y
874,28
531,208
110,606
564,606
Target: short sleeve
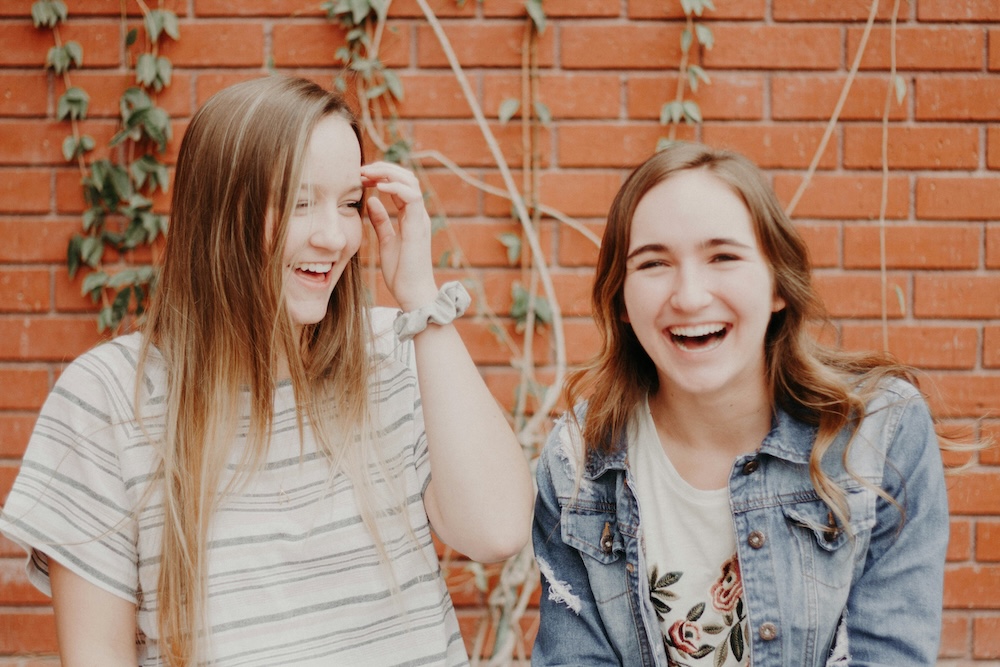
x,y
69,500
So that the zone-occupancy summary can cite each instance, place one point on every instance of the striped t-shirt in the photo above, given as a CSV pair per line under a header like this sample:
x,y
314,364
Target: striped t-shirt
x,y
293,575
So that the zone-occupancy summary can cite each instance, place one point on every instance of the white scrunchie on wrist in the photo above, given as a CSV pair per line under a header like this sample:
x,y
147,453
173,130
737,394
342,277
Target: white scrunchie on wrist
x,y
452,300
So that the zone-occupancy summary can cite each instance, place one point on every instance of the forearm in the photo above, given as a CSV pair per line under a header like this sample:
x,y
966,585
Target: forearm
x,y
480,496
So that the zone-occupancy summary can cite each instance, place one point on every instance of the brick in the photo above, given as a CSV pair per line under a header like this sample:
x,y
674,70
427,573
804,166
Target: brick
x,y
26,46
316,44
91,8
451,193
486,348
854,196
990,434
732,9
960,541
844,10
823,241
25,388
39,142
433,95
618,46
573,291
464,143
937,347
957,97
727,97
15,429
24,290
986,637
23,94
909,246
477,242
607,145
913,147
971,587
961,395
583,340
954,636
958,198
994,54
812,97
580,193
24,190
47,338
67,296
956,296
857,295
105,91
785,146
774,47
987,541
244,8
27,632
554,8
495,45
993,246
991,346
967,10
441,8
222,44
503,383
920,48
69,192
575,249
569,95
29,241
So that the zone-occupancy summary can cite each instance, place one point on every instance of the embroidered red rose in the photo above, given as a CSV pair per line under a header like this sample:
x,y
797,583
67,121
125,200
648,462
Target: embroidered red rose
x,y
729,587
685,636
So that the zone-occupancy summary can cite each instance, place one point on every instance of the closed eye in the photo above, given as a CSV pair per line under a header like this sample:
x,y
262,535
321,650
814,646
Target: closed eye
x,y
651,264
356,205
725,257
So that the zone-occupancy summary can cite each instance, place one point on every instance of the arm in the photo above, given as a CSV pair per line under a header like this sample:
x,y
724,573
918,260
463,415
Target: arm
x,y
479,496
94,627
894,609
571,632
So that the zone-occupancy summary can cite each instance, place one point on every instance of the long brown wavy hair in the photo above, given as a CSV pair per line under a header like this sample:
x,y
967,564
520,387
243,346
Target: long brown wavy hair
x,y
813,383
219,322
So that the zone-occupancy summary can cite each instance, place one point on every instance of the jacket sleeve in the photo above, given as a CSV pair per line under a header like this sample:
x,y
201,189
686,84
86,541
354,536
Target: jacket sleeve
x,y
571,631
894,609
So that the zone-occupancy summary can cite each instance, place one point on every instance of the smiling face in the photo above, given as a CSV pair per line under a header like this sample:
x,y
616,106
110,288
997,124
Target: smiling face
x,y
698,293
324,230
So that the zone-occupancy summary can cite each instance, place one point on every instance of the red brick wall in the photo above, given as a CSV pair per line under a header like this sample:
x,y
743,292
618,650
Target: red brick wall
x,y
607,66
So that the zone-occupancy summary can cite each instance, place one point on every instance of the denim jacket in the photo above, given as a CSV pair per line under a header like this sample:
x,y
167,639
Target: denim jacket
x,y
815,595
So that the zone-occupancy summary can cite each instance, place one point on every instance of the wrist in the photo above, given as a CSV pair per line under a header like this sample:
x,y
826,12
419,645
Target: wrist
x,y
451,302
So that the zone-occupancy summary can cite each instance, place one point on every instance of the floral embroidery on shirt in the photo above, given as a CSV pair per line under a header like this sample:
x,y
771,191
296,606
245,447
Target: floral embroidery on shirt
x,y
690,639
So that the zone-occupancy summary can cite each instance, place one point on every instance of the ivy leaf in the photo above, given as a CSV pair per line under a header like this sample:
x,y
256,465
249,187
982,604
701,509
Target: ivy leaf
x,y
73,255
73,104
537,14
48,13
543,113
705,36
92,216
438,223
671,112
73,148
93,283
686,40
508,108
91,251
147,169
394,84
145,69
398,151
131,37
692,112
513,244
359,10
160,21
696,74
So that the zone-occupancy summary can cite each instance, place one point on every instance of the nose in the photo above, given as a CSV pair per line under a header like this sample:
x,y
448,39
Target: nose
x,y
689,292
327,230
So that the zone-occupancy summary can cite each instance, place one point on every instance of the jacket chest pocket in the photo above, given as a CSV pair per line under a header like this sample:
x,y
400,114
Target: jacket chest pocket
x,y
594,533
829,553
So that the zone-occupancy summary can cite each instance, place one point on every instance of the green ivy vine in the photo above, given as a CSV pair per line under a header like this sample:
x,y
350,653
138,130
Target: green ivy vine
x,y
118,189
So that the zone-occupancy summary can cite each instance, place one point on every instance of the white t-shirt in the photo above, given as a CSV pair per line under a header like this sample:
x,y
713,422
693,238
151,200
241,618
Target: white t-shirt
x,y
293,574
690,548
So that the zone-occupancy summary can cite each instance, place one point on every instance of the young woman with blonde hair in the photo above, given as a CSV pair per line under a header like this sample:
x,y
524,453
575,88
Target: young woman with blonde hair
x,y
253,478
731,492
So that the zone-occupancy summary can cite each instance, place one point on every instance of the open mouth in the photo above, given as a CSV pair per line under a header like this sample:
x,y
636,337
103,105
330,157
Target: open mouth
x,y
698,337
313,271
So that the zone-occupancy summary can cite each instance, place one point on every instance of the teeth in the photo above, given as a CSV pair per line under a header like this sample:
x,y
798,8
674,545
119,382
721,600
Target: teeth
x,y
696,330
314,267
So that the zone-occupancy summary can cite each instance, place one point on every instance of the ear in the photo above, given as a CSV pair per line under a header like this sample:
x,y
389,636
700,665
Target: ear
x,y
777,303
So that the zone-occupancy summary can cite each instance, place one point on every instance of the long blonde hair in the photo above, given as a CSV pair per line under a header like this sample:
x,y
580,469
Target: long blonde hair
x,y
219,322
815,384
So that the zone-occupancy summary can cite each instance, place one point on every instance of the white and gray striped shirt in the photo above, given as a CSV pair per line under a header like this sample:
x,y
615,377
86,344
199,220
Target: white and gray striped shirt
x,y
293,575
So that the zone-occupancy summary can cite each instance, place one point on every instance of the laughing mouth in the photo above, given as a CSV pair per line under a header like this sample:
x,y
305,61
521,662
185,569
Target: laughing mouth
x,y
313,269
698,337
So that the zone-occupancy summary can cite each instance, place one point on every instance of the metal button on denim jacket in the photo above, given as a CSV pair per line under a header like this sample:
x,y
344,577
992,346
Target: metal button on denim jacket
x,y
816,593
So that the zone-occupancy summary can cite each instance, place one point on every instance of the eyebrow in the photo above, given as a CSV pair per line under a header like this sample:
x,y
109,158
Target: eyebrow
x,y
710,243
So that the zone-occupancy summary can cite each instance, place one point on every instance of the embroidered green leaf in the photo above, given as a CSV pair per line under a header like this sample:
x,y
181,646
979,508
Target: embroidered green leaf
x,y
712,628
736,641
721,653
702,651
696,612
669,579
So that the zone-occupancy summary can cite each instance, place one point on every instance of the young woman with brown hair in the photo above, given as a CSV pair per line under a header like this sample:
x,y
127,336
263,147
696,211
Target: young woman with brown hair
x,y
253,478
731,492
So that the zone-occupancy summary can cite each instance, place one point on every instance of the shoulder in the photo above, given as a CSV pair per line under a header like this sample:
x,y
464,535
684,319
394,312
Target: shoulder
x,y
564,451
104,375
